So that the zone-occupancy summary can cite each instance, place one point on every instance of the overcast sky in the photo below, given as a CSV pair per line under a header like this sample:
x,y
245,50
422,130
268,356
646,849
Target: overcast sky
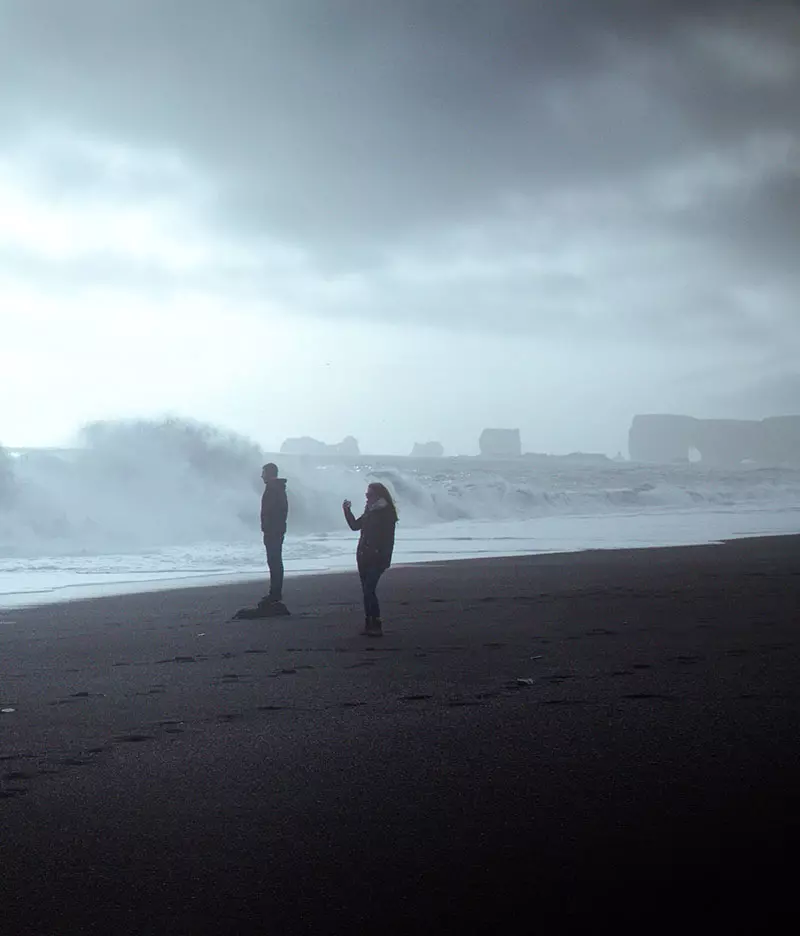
x,y
398,219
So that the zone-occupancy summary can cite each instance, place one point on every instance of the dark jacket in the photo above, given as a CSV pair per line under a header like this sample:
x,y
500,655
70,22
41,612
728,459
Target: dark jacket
x,y
376,543
274,508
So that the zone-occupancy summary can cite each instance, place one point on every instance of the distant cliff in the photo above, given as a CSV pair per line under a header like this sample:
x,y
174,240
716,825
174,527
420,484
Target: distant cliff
x,y
664,438
427,450
500,443
305,445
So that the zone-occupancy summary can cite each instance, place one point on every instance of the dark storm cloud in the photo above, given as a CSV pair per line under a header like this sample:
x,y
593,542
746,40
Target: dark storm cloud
x,y
759,224
617,176
350,127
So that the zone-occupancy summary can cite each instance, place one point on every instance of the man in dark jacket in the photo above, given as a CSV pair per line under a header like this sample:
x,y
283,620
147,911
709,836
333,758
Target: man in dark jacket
x,y
274,511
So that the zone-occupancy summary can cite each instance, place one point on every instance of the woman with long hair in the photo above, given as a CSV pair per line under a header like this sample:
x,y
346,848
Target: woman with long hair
x,y
375,547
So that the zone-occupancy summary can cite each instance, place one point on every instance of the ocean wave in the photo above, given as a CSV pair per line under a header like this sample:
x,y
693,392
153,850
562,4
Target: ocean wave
x,y
133,486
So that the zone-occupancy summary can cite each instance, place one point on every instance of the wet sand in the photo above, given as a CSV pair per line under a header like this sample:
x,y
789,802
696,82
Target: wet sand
x,y
535,743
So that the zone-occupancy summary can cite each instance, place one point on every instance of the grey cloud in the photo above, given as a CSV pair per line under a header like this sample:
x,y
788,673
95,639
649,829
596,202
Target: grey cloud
x,y
78,171
353,124
366,133
776,394
759,224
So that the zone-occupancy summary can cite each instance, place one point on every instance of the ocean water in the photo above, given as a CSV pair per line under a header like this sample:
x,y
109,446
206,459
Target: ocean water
x,y
143,506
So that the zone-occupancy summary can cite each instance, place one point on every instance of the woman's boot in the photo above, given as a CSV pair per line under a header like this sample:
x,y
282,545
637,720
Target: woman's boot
x,y
372,627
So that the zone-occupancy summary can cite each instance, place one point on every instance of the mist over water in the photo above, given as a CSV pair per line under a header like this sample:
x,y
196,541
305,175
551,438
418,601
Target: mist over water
x,y
137,486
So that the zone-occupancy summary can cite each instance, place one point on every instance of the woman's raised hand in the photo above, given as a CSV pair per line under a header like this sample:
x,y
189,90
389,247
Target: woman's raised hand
x,y
346,505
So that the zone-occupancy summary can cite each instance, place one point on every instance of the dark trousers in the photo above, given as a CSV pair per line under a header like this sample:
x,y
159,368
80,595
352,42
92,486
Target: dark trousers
x,y
370,576
274,546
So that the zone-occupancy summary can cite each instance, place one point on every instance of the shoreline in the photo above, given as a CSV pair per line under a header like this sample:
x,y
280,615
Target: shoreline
x,y
557,738
226,579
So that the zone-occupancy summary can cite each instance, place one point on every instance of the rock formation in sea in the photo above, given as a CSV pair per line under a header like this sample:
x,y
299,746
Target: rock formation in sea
x,y
500,443
427,450
305,445
664,438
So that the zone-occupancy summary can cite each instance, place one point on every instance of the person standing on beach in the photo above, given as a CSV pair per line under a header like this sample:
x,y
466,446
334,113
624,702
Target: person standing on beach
x,y
375,547
274,512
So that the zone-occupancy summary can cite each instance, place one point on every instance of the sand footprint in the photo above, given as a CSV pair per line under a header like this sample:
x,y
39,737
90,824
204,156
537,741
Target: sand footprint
x,y
17,775
645,695
171,725
76,696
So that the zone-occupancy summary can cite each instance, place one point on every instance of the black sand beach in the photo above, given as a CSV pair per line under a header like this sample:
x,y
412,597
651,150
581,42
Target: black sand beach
x,y
608,738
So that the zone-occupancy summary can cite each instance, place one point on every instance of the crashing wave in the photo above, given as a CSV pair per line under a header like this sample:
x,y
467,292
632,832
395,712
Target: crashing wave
x,y
133,486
